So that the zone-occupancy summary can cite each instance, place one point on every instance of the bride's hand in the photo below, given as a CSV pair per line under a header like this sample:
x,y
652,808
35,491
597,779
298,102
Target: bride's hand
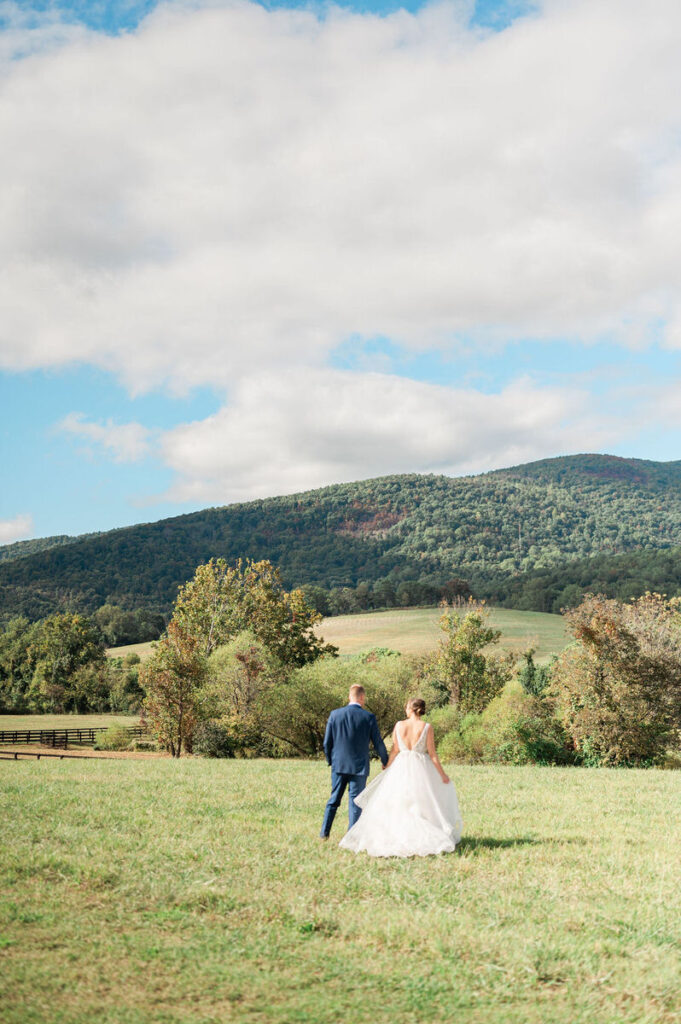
x,y
445,779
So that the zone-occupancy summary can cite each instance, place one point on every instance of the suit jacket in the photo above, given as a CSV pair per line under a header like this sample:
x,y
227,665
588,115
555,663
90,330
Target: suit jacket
x,y
346,741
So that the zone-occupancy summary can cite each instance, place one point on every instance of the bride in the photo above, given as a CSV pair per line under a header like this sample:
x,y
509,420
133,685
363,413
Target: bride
x,y
411,809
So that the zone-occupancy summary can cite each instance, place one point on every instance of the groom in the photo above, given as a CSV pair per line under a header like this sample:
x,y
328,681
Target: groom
x,y
346,745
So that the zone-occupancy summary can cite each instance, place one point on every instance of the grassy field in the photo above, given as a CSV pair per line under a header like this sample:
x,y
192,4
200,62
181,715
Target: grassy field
x,y
416,630
196,892
64,721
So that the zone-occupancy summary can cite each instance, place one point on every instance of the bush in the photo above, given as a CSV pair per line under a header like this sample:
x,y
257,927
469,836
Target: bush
x,y
214,739
295,711
444,720
462,743
515,728
116,737
142,743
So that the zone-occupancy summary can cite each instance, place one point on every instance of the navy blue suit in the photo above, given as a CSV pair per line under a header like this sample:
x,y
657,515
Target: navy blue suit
x,y
346,745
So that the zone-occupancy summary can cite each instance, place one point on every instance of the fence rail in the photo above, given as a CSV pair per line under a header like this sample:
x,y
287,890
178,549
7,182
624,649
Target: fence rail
x,y
83,737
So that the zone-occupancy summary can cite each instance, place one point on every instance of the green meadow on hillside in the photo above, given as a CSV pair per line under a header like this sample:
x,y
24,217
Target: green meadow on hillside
x,y
416,631
166,892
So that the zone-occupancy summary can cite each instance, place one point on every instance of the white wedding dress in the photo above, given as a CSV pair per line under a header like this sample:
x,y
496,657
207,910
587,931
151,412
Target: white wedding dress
x,y
407,811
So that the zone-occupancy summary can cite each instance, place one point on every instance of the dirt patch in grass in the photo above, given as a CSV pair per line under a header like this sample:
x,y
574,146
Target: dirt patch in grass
x,y
135,755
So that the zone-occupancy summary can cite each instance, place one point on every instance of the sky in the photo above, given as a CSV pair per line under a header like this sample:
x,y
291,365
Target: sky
x,y
249,249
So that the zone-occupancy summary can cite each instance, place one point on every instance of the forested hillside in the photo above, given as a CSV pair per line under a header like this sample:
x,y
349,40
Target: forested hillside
x,y
21,548
548,520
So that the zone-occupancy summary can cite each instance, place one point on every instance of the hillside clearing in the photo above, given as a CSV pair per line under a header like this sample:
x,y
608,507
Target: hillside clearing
x,y
416,631
162,892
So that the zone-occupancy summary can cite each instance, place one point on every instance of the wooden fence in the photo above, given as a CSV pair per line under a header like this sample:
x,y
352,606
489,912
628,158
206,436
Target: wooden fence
x,y
83,737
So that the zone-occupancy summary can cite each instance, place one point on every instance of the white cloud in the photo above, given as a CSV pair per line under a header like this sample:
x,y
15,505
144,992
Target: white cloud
x,y
288,432
19,528
125,442
229,188
227,194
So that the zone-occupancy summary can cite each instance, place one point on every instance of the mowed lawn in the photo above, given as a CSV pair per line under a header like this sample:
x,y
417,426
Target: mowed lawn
x,y
416,631
197,891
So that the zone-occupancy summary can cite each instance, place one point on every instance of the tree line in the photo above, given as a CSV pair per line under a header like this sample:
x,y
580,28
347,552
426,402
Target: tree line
x,y
240,670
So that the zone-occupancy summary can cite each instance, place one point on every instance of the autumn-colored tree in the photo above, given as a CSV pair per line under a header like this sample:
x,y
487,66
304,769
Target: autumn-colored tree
x,y
461,673
618,688
173,680
222,601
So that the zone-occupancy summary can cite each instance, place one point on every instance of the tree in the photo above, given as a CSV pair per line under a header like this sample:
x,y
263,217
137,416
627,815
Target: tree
x,y
240,674
618,688
63,645
533,678
16,665
222,601
461,673
173,679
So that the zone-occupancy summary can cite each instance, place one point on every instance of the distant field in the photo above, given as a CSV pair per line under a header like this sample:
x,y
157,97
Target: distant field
x,y
197,892
144,650
416,630
64,721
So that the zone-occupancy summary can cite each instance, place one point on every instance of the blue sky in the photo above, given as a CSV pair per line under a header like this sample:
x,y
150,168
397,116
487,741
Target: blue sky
x,y
251,249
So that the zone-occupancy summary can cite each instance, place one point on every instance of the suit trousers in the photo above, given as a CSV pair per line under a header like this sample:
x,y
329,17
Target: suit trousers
x,y
340,781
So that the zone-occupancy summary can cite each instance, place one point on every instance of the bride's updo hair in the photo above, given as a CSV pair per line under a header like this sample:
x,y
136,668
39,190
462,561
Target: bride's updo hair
x,y
418,705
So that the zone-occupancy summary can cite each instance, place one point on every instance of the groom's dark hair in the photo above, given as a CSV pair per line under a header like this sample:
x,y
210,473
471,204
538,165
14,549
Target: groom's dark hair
x,y
357,691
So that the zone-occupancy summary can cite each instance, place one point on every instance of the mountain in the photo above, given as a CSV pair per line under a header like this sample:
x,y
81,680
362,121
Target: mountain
x,y
21,548
498,530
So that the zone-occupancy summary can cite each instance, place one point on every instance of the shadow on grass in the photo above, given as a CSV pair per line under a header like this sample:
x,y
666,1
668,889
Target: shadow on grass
x,y
471,844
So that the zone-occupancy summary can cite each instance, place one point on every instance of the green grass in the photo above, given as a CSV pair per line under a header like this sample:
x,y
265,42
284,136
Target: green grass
x,y
64,721
416,630
144,650
193,892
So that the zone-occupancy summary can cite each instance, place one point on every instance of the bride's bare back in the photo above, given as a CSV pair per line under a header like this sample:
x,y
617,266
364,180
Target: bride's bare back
x,y
411,730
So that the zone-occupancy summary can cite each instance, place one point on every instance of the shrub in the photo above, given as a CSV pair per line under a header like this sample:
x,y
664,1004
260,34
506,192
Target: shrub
x,y
116,737
214,739
142,743
295,711
515,728
444,720
462,743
